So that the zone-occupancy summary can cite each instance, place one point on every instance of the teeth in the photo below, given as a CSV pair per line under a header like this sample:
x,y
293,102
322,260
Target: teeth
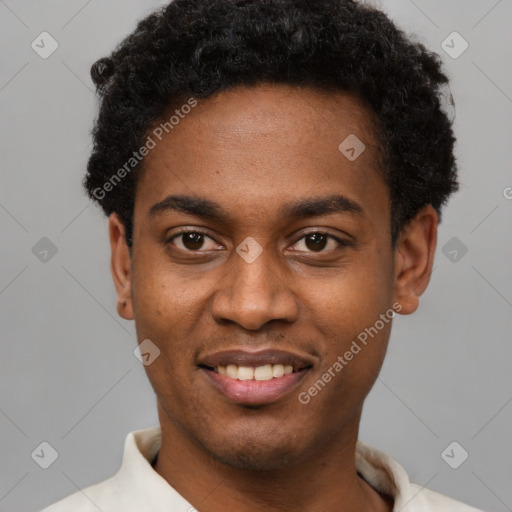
x,y
232,371
245,373
266,372
278,370
263,372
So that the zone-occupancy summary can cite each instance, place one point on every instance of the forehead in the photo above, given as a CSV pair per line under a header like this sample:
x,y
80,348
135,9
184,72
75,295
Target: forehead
x,y
267,107
254,147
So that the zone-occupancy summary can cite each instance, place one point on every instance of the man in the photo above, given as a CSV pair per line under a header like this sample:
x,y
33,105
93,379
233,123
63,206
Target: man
x,y
273,202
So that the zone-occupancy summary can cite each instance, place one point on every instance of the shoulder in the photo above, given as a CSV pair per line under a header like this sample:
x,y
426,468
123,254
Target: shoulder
x,y
427,500
86,500
387,476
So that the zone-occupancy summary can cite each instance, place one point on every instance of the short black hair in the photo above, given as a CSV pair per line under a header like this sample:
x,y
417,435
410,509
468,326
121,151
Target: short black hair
x,y
195,48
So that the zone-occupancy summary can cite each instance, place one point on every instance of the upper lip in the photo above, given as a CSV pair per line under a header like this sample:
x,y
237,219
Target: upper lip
x,y
255,359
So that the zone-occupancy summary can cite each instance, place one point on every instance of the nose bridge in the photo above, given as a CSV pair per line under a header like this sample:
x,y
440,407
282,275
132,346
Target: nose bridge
x,y
252,291
254,275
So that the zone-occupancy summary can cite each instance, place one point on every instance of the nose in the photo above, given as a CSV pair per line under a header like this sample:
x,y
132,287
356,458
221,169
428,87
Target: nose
x,y
253,294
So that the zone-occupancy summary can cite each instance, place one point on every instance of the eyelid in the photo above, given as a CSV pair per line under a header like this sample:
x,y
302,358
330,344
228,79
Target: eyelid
x,y
186,230
323,231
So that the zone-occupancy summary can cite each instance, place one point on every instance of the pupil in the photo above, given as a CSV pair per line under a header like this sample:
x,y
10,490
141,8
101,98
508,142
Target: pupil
x,y
318,240
193,241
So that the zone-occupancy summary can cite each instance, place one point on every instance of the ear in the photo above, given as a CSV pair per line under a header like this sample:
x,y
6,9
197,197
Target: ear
x,y
414,258
120,266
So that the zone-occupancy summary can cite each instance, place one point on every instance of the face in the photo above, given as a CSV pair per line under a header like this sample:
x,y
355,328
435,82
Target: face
x,y
257,246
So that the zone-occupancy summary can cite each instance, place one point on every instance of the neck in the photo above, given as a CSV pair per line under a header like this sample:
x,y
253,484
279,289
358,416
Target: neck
x,y
326,480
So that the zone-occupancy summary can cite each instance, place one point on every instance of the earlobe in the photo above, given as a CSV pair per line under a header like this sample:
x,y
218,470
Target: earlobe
x,y
414,258
120,266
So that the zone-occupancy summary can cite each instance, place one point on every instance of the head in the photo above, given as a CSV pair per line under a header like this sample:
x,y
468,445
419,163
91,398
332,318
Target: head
x,y
268,173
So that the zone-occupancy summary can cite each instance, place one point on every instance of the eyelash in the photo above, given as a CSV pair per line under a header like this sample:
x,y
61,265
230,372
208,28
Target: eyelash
x,y
341,243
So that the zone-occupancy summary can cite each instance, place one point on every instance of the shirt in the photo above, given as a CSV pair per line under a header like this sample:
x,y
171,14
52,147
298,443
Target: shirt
x,y
137,487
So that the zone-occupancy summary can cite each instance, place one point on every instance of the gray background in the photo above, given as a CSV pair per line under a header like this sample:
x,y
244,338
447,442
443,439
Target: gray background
x,y
68,375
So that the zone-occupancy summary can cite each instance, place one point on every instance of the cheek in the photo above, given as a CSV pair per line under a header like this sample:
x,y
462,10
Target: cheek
x,y
169,309
353,313
354,297
160,310
165,300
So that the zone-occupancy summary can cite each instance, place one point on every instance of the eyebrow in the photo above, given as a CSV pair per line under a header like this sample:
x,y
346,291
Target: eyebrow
x,y
302,208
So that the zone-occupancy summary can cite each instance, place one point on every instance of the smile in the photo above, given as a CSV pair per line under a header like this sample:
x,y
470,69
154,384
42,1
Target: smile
x,y
251,378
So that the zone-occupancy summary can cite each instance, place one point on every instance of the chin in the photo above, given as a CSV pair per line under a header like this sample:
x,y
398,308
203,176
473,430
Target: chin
x,y
255,458
254,451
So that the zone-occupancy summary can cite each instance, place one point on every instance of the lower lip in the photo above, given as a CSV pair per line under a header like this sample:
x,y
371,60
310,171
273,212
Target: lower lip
x,y
251,392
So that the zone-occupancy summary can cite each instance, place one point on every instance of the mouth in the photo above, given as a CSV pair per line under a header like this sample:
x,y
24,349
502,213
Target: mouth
x,y
255,377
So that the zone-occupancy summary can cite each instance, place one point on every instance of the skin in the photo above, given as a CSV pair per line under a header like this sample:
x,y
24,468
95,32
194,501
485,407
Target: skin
x,y
251,150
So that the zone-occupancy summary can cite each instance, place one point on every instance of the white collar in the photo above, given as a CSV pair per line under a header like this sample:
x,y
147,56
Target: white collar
x,y
382,472
137,487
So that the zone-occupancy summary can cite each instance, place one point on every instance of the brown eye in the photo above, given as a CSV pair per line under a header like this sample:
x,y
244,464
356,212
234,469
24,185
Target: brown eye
x,y
316,241
192,241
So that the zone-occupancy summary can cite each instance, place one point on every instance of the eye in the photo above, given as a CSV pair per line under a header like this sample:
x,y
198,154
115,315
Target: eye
x,y
317,241
198,241
192,241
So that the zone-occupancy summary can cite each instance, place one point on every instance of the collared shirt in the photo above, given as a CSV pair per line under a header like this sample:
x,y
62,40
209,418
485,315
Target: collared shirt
x,y
137,487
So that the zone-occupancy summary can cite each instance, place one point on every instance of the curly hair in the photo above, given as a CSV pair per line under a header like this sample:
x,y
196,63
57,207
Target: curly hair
x,y
195,48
